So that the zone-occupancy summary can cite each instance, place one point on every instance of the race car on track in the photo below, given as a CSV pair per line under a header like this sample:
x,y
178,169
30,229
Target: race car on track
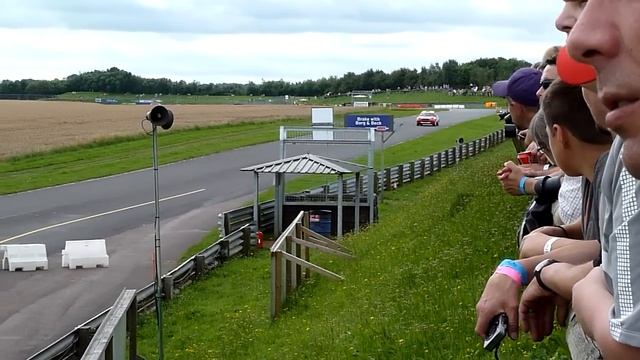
x,y
428,118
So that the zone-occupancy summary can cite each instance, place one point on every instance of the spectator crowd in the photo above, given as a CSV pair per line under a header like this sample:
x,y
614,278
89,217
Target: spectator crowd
x,y
577,115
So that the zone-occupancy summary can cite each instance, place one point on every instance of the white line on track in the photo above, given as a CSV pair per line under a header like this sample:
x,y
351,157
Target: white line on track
x,y
99,215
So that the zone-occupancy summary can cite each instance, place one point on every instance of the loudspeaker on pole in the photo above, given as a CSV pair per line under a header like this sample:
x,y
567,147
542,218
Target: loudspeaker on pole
x,y
160,116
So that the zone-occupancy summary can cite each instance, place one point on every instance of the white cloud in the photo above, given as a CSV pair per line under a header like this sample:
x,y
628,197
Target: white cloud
x,y
242,40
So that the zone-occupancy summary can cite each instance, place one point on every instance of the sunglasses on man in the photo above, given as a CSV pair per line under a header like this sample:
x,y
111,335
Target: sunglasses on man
x,y
546,83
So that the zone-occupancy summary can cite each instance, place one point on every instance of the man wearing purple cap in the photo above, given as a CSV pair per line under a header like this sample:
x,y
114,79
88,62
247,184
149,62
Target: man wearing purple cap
x,y
520,91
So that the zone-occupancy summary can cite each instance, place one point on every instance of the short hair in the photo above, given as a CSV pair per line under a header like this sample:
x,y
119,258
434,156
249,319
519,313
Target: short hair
x,y
564,105
550,56
538,131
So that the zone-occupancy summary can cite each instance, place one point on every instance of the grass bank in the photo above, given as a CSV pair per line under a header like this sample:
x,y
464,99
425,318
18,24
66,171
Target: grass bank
x,y
396,154
420,97
407,151
409,294
122,154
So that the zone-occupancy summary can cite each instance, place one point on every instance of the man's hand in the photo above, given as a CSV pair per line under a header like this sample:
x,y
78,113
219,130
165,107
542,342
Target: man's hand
x,y
550,230
537,309
533,244
500,295
533,170
509,176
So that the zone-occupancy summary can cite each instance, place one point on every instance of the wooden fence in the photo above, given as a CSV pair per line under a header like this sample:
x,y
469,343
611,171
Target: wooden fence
x,y
290,264
74,344
289,255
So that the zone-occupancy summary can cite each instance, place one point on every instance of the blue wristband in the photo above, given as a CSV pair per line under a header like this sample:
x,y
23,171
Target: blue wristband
x,y
518,267
523,181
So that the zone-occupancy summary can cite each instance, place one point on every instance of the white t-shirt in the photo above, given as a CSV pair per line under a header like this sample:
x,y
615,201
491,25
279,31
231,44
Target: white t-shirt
x,y
570,199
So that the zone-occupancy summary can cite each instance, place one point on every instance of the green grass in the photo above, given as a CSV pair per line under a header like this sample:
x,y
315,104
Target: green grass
x,y
409,294
121,154
210,238
406,151
168,99
421,97
396,154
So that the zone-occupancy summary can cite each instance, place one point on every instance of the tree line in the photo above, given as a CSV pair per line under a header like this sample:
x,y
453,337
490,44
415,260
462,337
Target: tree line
x,y
450,74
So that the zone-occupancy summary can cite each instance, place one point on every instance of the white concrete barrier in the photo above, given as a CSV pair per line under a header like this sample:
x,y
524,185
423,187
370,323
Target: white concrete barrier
x,y
85,254
25,257
449,106
2,251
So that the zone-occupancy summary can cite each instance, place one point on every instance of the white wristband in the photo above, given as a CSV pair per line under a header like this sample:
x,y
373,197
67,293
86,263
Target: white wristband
x,y
549,244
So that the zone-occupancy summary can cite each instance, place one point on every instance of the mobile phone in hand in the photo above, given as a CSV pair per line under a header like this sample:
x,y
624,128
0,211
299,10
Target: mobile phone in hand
x,y
496,332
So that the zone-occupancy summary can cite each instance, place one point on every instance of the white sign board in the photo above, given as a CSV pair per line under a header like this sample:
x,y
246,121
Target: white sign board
x,y
322,116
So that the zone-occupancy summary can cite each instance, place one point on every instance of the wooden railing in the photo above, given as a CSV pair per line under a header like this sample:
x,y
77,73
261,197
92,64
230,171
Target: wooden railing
x,y
290,264
73,344
116,336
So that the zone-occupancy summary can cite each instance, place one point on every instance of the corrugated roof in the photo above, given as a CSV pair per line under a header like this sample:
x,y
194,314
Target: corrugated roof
x,y
307,164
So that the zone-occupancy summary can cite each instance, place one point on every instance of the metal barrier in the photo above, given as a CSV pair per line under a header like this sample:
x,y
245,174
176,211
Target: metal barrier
x,y
388,179
236,226
73,344
290,254
233,220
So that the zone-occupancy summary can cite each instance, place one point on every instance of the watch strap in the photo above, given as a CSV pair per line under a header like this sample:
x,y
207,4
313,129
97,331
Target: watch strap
x,y
537,274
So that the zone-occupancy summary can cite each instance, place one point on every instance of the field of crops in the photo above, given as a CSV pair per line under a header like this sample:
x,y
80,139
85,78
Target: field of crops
x,y
35,126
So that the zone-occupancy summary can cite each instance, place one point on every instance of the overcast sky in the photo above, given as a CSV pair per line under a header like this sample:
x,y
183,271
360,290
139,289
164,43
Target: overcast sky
x,y
251,40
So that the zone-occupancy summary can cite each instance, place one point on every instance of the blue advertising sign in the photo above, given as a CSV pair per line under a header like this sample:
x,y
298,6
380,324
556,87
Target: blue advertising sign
x,y
378,122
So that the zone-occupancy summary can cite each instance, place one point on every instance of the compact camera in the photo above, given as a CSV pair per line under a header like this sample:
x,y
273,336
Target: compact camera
x,y
510,130
497,331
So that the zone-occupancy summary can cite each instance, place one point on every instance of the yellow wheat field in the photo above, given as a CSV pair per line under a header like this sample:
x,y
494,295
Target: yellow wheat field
x,y
32,126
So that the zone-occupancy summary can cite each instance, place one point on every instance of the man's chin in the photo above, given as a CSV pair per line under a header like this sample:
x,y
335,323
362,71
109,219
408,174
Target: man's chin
x,y
631,157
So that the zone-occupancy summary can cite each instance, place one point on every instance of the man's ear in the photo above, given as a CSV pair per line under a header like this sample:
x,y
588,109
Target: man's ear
x,y
516,109
562,135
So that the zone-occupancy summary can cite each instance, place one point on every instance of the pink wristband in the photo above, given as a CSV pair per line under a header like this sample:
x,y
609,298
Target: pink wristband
x,y
512,273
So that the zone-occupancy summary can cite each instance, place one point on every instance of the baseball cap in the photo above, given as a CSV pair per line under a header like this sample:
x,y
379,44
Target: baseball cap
x,y
572,71
521,86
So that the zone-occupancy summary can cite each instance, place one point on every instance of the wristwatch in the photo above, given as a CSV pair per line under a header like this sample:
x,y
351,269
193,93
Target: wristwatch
x,y
538,269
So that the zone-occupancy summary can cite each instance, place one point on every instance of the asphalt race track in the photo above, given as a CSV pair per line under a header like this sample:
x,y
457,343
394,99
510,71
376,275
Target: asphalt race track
x,y
37,308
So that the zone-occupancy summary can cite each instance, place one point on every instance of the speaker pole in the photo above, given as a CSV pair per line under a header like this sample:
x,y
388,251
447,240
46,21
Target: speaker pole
x,y
157,257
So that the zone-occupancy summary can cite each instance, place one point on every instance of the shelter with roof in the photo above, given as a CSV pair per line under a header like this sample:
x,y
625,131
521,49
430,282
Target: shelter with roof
x,y
311,164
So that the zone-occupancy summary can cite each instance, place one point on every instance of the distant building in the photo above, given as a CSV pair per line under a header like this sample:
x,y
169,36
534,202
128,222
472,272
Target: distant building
x,y
361,98
106,101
